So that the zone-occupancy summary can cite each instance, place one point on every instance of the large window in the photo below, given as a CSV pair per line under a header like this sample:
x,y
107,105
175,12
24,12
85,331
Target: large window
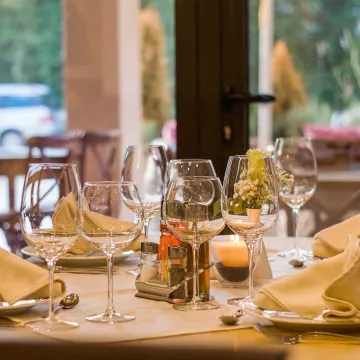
x,y
31,86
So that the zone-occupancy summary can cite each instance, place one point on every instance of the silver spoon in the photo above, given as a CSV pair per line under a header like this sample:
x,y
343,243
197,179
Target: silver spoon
x,y
68,302
231,319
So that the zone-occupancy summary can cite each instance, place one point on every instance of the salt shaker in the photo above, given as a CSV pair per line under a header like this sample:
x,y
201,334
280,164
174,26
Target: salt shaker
x,y
177,262
148,261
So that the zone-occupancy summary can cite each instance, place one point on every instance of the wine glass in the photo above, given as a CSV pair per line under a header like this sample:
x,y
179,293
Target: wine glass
x,y
110,231
51,225
250,188
296,156
194,211
189,167
146,167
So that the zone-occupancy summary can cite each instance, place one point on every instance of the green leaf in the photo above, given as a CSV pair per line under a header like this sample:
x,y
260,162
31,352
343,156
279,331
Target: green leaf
x,y
216,207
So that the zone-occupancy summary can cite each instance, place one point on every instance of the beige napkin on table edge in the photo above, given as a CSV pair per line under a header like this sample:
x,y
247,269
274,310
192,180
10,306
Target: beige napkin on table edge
x,y
330,285
22,280
332,240
64,215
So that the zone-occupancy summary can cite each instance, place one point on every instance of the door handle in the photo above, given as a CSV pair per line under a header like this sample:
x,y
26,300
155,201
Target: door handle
x,y
231,97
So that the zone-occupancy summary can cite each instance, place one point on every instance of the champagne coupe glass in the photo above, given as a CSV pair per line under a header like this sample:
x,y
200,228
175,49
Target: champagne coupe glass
x,y
189,167
51,225
146,167
195,210
106,228
251,192
296,156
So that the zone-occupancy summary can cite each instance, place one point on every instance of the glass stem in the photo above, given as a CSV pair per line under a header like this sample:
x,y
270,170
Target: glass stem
x,y
51,267
295,219
196,292
250,246
110,294
146,229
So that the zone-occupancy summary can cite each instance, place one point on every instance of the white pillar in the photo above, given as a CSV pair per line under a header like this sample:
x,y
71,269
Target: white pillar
x,y
129,75
266,39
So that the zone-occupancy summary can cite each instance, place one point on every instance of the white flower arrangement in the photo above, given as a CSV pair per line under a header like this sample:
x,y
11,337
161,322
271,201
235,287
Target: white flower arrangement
x,y
253,188
250,193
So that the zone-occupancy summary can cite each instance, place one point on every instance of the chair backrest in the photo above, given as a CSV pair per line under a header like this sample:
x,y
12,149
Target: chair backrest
x,y
65,148
103,146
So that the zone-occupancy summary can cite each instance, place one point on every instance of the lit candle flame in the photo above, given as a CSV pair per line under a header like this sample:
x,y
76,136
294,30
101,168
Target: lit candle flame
x,y
237,239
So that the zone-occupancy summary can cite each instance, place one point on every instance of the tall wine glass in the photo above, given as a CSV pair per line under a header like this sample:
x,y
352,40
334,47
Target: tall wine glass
x,y
251,192
189,167
195,211
296,156
146,167
49,224
110,231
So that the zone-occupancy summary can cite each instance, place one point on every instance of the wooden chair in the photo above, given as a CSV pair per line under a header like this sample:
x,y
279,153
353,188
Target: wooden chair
x,y
103,147
60,149
65,148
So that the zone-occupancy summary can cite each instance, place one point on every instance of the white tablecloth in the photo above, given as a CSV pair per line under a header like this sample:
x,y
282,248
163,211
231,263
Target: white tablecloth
x,y
153,319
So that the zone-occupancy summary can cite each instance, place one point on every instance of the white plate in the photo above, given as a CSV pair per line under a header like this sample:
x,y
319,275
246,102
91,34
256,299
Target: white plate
x,y
294,321
80,260
19,307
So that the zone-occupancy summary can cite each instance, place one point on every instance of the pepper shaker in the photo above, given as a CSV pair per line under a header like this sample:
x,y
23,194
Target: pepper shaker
x,y
148,261
177,271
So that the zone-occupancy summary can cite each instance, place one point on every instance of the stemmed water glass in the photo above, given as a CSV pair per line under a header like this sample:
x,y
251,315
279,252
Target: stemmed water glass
x,y
296,156
146,166
189,167
251,191
110,230
50,221
195,210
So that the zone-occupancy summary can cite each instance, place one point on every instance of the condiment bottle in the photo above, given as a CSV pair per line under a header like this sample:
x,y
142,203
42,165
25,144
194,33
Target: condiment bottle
x,y
166,239
177,271
148,261
204,261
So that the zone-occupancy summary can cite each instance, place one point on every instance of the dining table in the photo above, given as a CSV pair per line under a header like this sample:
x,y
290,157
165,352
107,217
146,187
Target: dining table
x,y
158,325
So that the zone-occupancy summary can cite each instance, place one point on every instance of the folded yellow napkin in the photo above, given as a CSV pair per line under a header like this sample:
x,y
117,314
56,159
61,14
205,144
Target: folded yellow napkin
x,y
332,240
330,285
21,280
63,218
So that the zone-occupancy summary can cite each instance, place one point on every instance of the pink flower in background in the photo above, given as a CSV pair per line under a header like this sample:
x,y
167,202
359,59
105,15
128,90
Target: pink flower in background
x,y
168,132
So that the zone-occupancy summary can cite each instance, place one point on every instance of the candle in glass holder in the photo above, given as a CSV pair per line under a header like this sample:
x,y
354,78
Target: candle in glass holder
x,y
231,259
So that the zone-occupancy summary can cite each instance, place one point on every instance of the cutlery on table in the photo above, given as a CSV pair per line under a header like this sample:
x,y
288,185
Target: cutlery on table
x,y
231,319
302,337
9,323
82,270
68,302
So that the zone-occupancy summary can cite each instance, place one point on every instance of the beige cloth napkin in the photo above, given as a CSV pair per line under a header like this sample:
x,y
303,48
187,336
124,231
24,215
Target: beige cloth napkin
x,y
93,222
21,280
330,285
332,240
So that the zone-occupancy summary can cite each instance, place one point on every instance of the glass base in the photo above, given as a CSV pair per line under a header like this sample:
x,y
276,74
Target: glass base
x,y
297,254
134,272
110,318
236,301
239,301
46,325
203,305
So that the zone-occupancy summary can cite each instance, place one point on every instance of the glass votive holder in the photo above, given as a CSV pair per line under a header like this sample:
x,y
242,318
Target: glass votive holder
x,y
231,260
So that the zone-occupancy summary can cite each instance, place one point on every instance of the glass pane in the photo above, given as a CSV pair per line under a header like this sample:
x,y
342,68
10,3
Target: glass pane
x,y
158,73
31,88
307,53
